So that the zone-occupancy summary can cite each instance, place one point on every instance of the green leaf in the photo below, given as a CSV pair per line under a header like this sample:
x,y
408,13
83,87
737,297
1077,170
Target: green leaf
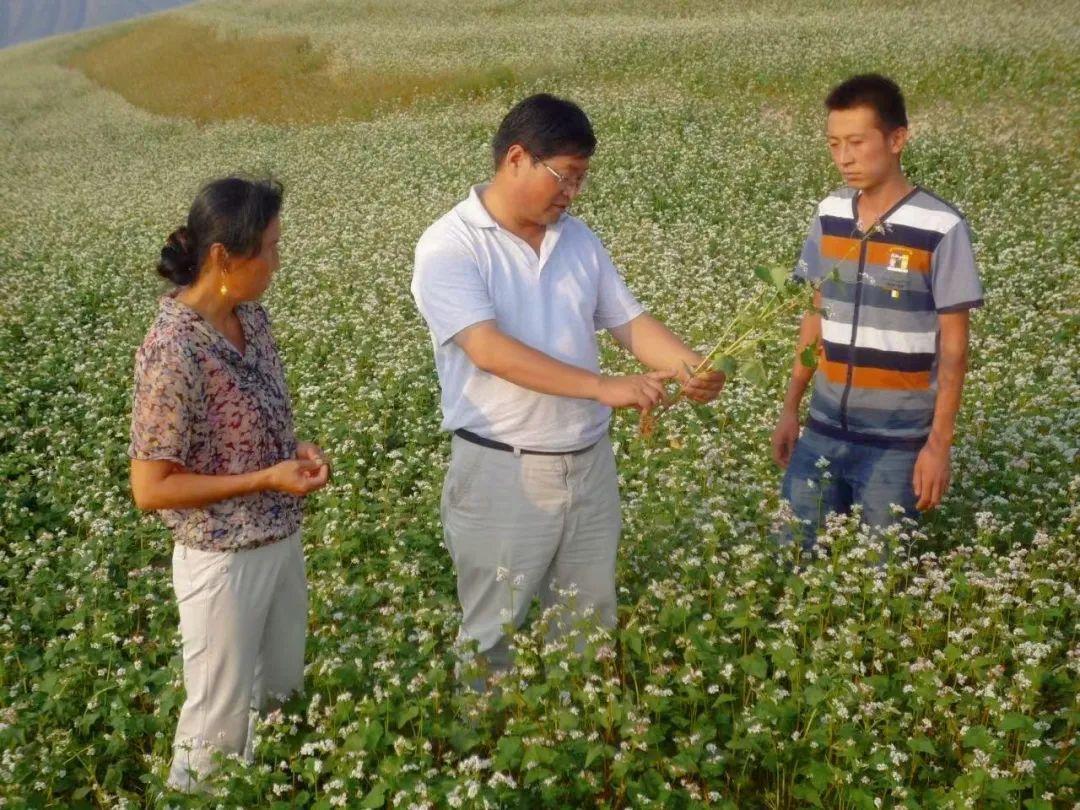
x,y
726,364
594,752
1014,721
87,721
354,742
406,714
755,665
49,681
922,745
740,743
814,695
860,798
372,734
463,738
509,753
740,621
1001,788
807,794
809,355
820,775
785,656
536,774
978,737
754,372
776,276
535,755
377,796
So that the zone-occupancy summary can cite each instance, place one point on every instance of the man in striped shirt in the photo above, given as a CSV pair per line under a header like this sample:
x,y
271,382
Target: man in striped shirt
x,y
898,280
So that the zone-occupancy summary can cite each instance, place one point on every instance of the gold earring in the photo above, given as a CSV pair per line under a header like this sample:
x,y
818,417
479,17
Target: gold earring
x,y
224,289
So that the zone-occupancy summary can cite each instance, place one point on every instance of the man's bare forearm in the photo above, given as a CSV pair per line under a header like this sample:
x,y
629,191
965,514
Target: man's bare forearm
x,y
809,335
951,371
654,345
506,357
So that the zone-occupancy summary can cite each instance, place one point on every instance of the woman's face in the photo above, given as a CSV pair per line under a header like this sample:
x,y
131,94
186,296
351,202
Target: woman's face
x,y
248,277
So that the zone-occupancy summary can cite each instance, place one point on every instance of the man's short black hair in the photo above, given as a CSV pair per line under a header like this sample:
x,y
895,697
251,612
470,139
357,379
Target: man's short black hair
x,y
545,126
872,90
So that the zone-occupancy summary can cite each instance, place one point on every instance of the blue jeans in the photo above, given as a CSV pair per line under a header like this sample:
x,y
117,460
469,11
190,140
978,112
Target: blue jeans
x,y
873,477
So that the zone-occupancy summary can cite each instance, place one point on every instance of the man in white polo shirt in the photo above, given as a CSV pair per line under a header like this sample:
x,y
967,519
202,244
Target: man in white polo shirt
x,y
514,290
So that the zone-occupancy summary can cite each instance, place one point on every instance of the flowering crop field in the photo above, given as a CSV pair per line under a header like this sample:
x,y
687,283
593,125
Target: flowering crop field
x,y
946,678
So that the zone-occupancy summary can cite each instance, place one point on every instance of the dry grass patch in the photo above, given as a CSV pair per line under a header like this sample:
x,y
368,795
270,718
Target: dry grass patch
x,y
182,69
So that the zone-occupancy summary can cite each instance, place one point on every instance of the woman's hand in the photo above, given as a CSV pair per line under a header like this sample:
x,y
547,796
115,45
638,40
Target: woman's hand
x,y
298,476
311,452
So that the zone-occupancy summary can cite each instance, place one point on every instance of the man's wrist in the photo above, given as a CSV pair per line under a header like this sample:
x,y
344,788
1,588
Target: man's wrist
x,y
792,403
594,386
940,440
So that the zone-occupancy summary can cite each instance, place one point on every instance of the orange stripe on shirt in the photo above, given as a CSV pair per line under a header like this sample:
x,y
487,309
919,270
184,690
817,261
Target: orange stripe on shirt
x,y
841,248
918,261
866,377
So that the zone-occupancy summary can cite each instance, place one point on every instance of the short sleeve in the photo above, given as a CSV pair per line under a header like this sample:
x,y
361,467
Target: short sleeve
x,y
163,403
448,288
615,304
954,277
810,267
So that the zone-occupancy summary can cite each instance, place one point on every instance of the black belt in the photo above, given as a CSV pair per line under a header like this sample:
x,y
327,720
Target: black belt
x,y
469,436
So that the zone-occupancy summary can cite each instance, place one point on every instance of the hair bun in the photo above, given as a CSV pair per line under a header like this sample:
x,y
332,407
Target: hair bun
x,y
178,262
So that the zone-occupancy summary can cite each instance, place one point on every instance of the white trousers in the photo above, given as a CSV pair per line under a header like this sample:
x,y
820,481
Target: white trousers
x,y
517,525
243,620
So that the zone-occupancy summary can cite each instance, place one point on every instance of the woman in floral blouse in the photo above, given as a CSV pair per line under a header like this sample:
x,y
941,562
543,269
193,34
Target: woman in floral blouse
x,y
213,450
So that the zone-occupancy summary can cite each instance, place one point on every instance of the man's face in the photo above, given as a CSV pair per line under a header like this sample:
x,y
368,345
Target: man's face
x,y
865,155
540,195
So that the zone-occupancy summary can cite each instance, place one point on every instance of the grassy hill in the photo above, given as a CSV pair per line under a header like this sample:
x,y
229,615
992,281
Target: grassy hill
x,y
946,679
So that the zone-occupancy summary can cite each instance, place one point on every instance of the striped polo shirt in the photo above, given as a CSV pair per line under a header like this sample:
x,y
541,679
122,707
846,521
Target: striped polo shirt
x,y
876,380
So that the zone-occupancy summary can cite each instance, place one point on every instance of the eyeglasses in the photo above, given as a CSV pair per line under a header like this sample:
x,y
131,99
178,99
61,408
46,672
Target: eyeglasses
x,y
570,185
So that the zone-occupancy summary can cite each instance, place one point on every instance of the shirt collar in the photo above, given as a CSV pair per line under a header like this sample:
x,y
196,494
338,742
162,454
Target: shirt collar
x,y
472,210
179,312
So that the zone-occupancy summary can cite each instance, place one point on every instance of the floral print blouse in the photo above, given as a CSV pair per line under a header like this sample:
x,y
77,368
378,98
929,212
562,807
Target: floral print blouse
x,y
200,403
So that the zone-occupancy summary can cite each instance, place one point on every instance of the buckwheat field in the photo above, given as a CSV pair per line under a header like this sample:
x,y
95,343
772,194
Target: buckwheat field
x,y
947,678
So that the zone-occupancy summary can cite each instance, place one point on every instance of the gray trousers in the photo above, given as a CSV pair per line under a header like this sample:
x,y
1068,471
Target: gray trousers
x,y
243,619
518,526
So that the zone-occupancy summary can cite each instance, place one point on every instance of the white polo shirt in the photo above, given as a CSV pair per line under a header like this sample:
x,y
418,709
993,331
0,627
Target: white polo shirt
x,y
469,269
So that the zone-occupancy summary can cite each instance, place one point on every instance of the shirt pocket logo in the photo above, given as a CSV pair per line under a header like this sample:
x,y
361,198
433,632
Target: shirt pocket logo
x,y
897,277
